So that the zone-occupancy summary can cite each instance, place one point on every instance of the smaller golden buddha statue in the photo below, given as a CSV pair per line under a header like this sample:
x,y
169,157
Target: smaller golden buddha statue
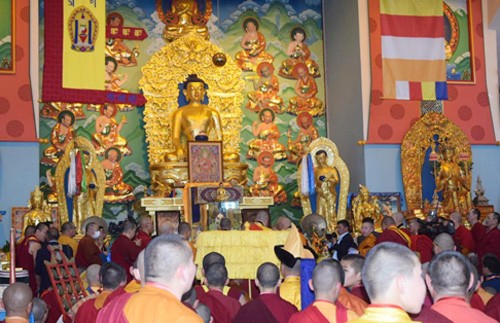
x,y
299,53
39,211
84,202
266,91
267,135
326,179
60,136
184,17
307,134
365,206
254,47
51,183
116,189
266,180
452,183
107,131
306,90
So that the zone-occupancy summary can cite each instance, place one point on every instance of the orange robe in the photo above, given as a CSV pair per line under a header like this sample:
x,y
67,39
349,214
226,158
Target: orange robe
x,y
458,310
367,244
88,311
323,312
351,302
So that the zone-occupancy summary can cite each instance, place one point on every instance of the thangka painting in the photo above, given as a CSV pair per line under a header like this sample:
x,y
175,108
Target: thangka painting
x,y
7,37
278,44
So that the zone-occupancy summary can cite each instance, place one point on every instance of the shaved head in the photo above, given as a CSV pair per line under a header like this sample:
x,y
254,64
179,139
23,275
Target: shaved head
x,y
449,274
93,275
216,275
443,242
268,275
262,217
212,258
326,279
387,221
17,299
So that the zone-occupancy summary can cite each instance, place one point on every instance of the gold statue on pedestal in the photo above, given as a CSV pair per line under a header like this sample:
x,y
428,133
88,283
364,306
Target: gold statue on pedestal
x,y
39,211
162,75
184,17
329,172
364,206
88,200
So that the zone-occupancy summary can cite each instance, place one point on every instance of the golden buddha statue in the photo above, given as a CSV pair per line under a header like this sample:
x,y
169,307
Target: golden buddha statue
x,y
51,183
266,180
326,179
193,119
84,203
299,53
266,91
39,211
451,181
116,189
254,47
184,17
365,206
62,133
306,90
267,134
307,134
107,131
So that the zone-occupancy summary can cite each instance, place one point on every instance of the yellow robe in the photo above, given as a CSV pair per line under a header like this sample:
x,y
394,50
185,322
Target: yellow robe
x,y
381,314
290,291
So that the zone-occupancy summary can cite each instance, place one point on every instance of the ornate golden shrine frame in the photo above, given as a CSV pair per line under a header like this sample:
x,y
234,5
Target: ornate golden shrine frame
x,y
83,144
414,146
335,160
169,67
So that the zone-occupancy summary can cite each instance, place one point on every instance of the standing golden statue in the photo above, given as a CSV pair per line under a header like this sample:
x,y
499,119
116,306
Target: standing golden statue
x,y
39,211
193,119
451,180
326,178
184,17
365,206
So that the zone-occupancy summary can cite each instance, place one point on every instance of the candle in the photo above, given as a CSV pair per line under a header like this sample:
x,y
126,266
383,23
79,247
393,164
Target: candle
x,y
12,255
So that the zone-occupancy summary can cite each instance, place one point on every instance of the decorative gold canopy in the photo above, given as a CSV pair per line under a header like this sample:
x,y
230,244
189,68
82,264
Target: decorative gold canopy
x,y
336,161
168,68
415,144
95,165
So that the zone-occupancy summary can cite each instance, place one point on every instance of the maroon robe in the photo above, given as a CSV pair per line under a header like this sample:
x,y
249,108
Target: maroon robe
x,y
26,260
89,310
360,291
478,231
488,244
124,252
428,315
87,253
113,311
50,298
313,315
492,309
222,308
423,245
144,237
463,240
267,308
393,234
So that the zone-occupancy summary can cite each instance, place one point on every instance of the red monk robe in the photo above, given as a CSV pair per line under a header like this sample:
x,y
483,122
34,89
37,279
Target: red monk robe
x,y
478,230
144,237
492,308
26,260
88,311
360,291
463,240
323,312
50,298
393,234
458,310
222,308
488,244
423,245
267,308
124,252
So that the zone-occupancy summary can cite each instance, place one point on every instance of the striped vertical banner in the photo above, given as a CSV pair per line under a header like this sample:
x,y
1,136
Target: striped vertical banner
x,y
413,56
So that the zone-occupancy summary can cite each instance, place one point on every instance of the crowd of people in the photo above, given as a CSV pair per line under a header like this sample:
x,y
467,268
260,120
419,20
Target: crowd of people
x,y
412,270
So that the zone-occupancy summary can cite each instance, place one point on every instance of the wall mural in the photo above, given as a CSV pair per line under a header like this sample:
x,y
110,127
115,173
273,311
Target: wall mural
x,y
279,47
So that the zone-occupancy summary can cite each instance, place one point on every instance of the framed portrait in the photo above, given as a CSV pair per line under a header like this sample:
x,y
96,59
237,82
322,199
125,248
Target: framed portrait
x,y
7,37
17,219
459,45
205,161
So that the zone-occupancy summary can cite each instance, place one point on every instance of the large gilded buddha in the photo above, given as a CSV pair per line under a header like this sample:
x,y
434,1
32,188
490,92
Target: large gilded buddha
x,y
193,119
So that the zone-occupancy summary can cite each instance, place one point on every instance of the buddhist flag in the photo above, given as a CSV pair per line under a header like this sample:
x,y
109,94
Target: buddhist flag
x,y
413,56
83,44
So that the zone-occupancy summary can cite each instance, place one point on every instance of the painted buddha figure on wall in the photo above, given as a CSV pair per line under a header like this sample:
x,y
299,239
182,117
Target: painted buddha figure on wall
x,y
266,90
299,53
254,47
107,131
307,134
267,135
306,90
116,189
266,180
60,136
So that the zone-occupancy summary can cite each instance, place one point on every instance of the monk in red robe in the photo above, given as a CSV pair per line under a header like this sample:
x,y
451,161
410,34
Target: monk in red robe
x,y
492,308
491,240
462,236
477,228
113,279
88,251
391,233
420,243
26,253
125,250
145,230
326,285
269,307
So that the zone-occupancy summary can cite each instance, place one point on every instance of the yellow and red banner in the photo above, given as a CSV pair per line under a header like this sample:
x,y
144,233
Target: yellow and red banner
x,y
413,56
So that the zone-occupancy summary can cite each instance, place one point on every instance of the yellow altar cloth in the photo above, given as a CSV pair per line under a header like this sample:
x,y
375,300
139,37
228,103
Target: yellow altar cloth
x,y
244,251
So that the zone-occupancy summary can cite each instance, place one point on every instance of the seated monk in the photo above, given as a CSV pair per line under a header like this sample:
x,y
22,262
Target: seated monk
x,y
267,135
266,91
60,136
107,131
299,53
306,90
307,134
254,46
266,180
369,238
115,187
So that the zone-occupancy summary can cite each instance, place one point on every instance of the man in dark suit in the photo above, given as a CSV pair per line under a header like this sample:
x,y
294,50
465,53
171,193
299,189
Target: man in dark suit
x,y
344,243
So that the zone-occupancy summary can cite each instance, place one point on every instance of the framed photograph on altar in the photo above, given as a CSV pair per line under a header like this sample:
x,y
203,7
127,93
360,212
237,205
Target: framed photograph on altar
x,y
205,162
459,44
7,37
389,202
17,219
167,216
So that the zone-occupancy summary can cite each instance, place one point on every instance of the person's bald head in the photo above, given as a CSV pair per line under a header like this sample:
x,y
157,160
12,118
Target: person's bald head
x,y
387,221
443,242
456,218
399,218
262,217
327,278
93,275
17,300
112,276
216,276
225,224
283,223
212,258
168,227
40,310
185,230
449,275
268,277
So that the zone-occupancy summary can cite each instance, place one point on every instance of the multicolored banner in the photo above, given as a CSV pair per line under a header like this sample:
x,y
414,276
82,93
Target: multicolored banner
x,y
413,55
